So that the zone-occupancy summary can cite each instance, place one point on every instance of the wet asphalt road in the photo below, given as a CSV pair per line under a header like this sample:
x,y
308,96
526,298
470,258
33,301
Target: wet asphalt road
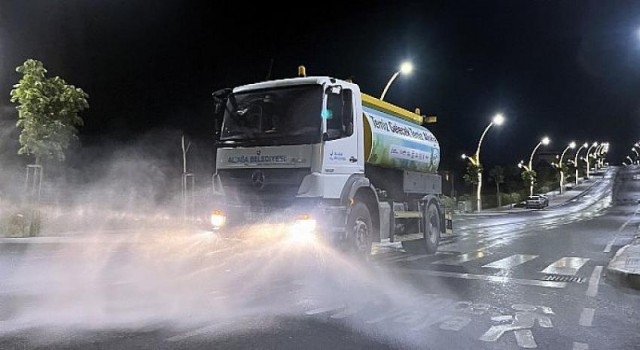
x,y
526,280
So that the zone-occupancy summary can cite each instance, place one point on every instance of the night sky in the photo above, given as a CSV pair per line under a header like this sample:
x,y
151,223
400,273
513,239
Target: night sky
x,y
566,69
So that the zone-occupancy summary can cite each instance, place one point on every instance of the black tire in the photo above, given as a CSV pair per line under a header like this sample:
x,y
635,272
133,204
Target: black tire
x,y
431,232
360,230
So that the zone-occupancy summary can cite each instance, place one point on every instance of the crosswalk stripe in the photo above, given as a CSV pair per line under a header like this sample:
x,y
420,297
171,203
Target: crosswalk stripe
x,y
568,265
462,258
418,257
511,261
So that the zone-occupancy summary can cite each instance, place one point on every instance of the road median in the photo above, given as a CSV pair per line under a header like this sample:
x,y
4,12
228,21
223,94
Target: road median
x,y
624,268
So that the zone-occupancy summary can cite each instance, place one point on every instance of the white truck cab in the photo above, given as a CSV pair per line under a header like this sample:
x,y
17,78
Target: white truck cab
x,y
318,153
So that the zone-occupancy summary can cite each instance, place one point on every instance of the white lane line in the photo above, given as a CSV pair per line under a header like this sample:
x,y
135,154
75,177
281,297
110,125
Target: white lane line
x,y
196,332
586,316
349,311
395,258
568,265
580,346
418,256
322,310
592,291
510,262
623,226
462,258
497,279
607,249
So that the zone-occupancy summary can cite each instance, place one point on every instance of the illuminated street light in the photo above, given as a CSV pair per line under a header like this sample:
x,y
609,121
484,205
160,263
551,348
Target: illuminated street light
x,y
498,119
522,166
545,141
571,145
405,68
586,157
575,160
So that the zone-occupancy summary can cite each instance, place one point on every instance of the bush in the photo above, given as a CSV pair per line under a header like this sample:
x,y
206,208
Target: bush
x,y
448,202
14,225
544,189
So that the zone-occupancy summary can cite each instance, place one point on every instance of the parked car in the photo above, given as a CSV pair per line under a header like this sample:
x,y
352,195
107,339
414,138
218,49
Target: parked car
x,y
537,202
545,197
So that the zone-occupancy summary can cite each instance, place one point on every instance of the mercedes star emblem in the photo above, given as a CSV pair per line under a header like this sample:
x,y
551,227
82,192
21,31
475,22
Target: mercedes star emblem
x,y
257,179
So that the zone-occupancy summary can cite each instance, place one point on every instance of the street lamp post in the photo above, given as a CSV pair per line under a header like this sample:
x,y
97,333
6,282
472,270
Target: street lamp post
x,y
603,151
586,158
498,119
545,141
575,160
405,68
571,145
596,155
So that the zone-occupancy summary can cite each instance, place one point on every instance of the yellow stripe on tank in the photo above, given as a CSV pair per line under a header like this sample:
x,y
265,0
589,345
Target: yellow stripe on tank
x,y
383,106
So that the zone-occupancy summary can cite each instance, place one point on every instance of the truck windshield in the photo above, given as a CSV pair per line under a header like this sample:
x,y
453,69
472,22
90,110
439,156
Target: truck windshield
x,y
289,115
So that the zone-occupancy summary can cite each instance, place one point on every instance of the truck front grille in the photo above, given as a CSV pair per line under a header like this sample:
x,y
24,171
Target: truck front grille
x,y
262,188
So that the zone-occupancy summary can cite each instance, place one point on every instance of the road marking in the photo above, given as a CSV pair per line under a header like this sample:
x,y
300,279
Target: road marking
x,y
349,311
497,279
512,261
580,346
418,256
462,258
196,332
586,317
522,322
568,265
592,291
607,249
322,310
394,258
524,338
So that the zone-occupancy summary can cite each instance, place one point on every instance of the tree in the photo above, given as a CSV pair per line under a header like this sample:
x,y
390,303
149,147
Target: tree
x,y
48,111
471,176
529,178
497,174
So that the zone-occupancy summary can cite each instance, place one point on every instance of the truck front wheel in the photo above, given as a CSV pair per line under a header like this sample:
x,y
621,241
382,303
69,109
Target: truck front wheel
x,y
431,228
359,230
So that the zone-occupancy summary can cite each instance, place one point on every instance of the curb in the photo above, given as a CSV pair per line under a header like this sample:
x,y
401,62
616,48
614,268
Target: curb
x,y
618,272
522,210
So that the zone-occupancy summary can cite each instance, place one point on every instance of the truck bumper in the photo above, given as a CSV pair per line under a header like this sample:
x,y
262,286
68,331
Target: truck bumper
x,y
326,223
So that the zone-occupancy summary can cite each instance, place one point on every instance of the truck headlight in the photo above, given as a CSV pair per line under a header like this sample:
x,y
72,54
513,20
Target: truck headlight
x,y
303,228
218,219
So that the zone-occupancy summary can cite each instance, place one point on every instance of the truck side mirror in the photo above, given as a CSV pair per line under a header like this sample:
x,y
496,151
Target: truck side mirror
x,y
220,99
217,109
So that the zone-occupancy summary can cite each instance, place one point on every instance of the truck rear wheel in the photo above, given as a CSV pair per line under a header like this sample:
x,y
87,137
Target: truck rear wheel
x,y
431,228
359,230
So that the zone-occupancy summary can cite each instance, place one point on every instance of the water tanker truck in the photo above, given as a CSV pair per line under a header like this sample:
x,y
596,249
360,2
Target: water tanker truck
x,y
320,156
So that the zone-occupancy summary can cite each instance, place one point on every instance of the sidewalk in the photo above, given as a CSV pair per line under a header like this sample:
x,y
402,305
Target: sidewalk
x,y
624,268
555,199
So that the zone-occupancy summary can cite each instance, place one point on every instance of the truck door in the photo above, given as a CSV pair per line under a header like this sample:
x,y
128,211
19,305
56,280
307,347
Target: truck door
x,y
341,154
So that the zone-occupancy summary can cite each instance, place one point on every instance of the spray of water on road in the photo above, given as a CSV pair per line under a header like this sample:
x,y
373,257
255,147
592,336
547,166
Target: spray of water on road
x,y
125,263
182,280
